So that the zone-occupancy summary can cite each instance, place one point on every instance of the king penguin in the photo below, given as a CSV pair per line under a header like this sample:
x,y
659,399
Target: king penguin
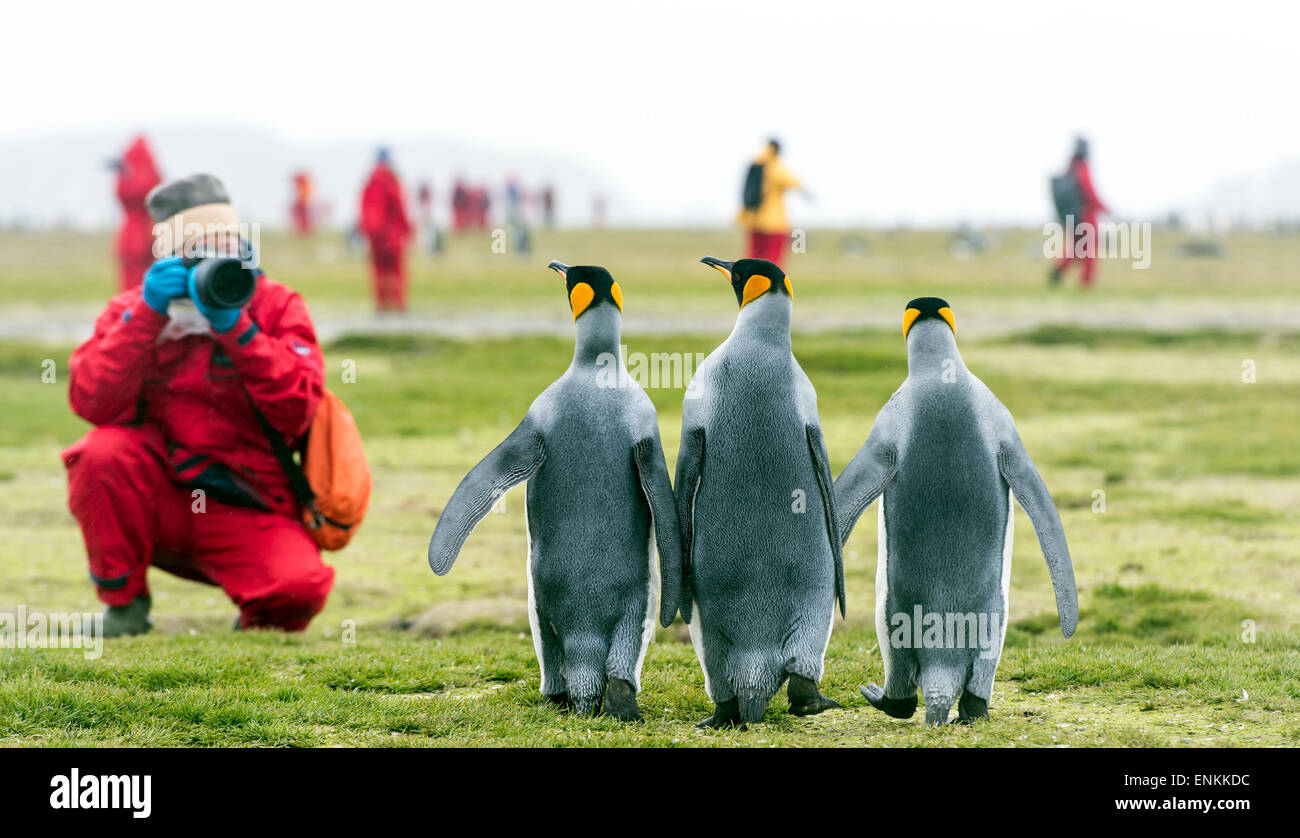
x,y
760,551
599,506
944,458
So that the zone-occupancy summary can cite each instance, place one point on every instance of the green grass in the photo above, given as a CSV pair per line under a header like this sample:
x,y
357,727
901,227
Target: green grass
x,y
1200,474
479,688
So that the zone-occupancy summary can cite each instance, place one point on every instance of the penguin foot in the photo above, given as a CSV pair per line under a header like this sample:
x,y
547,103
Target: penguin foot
x,y
805,698
620,701
560,700
898,708
726,714
936,715
970,709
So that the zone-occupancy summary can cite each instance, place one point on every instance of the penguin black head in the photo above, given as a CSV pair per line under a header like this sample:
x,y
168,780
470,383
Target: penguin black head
x,y
588,285
926,308
752,278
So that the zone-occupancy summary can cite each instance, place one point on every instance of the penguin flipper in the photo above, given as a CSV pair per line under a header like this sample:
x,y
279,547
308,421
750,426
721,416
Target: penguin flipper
x,y
515,460
865,477
1032,495
690,465
822,465
652,472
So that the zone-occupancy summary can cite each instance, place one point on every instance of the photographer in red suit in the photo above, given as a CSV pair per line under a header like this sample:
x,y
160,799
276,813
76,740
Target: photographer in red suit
x,y
179,473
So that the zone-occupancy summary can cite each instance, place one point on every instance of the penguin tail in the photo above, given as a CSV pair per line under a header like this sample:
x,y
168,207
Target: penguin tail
x,y
584,672
940,689
752,706
757,680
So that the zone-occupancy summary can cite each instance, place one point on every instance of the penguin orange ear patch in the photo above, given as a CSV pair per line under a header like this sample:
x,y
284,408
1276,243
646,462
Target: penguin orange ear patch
x,y
946,314
755,287
617,294
580,297
788,289
909,317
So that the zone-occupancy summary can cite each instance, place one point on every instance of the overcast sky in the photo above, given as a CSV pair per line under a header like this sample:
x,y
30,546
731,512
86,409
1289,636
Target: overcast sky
x,y
907,111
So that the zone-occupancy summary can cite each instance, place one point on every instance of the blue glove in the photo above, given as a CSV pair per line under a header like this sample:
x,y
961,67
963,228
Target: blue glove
x,y
165,280
222,319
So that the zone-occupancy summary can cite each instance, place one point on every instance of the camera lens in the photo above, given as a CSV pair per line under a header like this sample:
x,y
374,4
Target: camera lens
x,y
229,284
224,283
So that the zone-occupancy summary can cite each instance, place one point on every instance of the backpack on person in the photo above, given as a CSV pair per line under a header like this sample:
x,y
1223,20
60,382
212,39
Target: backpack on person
x,y
752,195
332,483
1067,196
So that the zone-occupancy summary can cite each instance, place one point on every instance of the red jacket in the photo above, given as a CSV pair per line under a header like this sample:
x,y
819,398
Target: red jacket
x,y
196,389
136,177
1092,203
383,209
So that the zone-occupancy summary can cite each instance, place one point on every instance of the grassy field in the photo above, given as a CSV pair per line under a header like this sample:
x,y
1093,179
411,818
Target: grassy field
x,y
1134,389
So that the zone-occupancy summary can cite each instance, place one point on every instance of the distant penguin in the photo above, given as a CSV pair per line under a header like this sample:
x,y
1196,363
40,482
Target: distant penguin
x,y
760,551
599,504
944,458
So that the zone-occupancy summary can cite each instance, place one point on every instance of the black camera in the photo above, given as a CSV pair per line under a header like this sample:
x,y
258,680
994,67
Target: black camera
x,y
222,281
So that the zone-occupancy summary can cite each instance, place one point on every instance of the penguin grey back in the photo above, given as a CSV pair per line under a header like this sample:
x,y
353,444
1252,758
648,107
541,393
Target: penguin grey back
x,y
754,496
944,458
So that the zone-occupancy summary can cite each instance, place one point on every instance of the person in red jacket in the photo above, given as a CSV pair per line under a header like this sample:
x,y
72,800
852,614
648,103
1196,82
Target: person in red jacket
x,y
385,224
1091,209
300,211
178,472
136,175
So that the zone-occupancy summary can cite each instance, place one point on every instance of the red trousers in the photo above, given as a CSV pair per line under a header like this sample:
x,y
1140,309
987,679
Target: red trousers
x,y
389,277
132,516
1089,262
1089,266
769,246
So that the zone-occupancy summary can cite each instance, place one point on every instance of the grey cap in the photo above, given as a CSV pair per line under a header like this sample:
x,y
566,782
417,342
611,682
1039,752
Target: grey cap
x,y
175,196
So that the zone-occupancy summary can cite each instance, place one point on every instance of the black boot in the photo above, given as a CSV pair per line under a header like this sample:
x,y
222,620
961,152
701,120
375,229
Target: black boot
x,y
129,619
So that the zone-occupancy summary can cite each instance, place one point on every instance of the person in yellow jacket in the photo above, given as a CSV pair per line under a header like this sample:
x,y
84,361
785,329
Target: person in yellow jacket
x,y
763,213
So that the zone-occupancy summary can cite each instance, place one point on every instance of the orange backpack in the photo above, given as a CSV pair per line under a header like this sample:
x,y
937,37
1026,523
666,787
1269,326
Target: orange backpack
x,y
333,483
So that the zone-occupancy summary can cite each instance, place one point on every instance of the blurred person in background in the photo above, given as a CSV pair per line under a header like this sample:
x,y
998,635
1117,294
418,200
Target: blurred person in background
x,y
424,201
516,218
179,472
428,220
300,211
548,206
1077,199
137,173
482,207
763,204
459,206
385,224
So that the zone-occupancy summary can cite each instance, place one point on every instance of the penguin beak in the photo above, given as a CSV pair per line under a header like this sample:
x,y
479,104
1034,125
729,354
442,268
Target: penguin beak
x,y
560,268
720,264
